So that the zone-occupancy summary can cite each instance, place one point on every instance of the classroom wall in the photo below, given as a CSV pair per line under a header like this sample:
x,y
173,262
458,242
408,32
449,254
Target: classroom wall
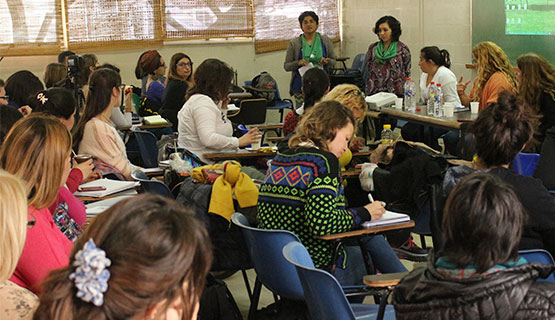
x,y
445,23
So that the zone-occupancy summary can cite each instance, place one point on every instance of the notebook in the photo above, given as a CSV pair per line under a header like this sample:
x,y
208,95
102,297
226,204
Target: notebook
x,y
112,186
96,208
154,120
389,217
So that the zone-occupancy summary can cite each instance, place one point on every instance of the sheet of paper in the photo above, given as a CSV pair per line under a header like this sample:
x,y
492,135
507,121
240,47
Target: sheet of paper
x,y
304,69
389,217
112,186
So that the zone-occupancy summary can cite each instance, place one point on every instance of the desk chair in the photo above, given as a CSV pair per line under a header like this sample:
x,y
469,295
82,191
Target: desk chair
x,y
353,75
147,148
152,186
525,163
251,111
541,256
324,297
276,104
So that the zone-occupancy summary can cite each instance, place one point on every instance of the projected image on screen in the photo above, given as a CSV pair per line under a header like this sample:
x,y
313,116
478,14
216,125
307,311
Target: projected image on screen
x,y
530,17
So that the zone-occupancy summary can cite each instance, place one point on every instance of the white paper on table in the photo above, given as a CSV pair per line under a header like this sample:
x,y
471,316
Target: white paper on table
x,y
304,69
96,208
112,186
232,107
389,217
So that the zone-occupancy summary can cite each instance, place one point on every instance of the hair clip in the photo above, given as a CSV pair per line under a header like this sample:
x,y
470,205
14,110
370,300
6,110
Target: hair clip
x,y
42,97
91,275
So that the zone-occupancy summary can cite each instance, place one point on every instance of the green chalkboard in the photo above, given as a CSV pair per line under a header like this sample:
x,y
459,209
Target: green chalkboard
x,y
530,24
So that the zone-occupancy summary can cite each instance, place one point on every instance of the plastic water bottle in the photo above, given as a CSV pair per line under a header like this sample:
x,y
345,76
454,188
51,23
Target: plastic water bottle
x,y
387,134
438,101
431,97
410,95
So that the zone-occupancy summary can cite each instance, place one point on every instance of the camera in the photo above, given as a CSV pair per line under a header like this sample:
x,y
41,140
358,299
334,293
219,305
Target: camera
x,y
74,65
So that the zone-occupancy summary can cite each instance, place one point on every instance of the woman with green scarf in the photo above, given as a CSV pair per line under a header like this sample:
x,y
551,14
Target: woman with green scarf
x,y
309,47
388,60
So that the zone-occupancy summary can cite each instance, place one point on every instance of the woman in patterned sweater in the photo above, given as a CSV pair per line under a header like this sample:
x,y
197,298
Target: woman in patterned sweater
x,y
302,193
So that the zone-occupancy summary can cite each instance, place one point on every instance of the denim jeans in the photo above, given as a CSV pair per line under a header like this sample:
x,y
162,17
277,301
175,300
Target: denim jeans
x,y
383,257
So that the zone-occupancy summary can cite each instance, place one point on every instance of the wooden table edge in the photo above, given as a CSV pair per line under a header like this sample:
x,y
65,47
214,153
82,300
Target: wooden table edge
x,y
384,279
354,233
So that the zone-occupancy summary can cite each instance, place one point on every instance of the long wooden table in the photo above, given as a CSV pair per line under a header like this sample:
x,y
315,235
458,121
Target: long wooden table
x,y
245,154
146,126
420,117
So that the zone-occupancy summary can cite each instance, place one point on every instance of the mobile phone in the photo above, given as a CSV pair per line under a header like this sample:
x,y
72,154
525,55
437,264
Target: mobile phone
x,y
92,188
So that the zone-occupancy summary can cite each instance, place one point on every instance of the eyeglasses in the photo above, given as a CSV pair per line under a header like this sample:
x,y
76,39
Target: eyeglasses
x,y
357,92
183,64
5,97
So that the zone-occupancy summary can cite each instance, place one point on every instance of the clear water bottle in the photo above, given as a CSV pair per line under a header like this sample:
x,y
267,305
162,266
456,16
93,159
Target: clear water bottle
x,y
438,101
431,96
387,134
410,95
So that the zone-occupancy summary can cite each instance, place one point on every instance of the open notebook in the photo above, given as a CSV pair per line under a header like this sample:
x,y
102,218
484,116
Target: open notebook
x,y
112,186
96,208
389,217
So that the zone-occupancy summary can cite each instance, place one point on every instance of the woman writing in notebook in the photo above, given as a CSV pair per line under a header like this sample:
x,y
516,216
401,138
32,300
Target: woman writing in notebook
x,y
37,150
95,134
302,193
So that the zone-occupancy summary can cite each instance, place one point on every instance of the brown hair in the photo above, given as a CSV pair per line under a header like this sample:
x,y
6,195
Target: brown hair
x,y
212,78
54,73
537,76
490,59
149,62
482,222
320,124
159,252
501,130
172,74
35,151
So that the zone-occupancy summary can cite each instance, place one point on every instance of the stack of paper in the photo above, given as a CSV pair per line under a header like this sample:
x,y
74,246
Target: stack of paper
x,y
154,120
112,186
389,217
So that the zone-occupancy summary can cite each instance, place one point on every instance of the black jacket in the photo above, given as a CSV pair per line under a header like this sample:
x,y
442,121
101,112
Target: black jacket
x,y
509,294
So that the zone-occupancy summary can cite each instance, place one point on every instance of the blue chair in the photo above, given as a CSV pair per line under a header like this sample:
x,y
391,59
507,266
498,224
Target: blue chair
x,y
192,158
323,294
147,148
265,249
541,256
525,163
152,186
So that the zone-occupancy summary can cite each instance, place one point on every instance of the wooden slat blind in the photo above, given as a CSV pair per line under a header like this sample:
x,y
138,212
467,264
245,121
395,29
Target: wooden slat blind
x,y
276,21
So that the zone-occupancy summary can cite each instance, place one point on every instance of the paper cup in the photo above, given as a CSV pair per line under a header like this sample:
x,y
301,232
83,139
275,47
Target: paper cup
x,y
256,145
448,110
398,103
474,106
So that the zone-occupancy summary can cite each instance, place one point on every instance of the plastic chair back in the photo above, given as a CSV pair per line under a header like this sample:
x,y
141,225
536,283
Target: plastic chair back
x,y
152,186
251,111
541,256
265,249
358,62
147,147
323,294
525,163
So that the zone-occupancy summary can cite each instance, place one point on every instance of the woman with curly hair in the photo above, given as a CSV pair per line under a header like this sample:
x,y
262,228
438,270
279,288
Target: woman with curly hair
x,y
536,89
495,75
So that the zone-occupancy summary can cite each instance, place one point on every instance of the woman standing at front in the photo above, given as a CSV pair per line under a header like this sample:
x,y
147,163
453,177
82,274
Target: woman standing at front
x,y
309,47
388,60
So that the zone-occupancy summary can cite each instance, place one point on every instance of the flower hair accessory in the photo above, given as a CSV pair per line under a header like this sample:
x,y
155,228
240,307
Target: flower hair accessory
x,y
91,276
42,98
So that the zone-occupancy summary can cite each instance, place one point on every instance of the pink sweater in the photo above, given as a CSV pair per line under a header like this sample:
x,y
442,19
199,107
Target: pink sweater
x,y
46,249
77,209
103,142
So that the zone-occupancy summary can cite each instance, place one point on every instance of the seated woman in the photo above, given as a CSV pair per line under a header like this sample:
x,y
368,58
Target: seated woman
x,y
202,122
315,85
95,133
153,67
15,301
478,274
53,74
434,64
8,117
302,193
180,79
21,87
500,132
37,150
536,88
144,258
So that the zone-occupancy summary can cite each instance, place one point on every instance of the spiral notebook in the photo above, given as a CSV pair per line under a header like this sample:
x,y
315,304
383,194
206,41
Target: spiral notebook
x,y
389,217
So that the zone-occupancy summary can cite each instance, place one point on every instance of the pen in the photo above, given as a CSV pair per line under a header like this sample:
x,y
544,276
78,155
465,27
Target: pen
x,y
372,200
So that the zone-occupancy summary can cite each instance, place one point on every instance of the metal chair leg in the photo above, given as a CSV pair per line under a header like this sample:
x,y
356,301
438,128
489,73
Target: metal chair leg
x,y
247,283
255,298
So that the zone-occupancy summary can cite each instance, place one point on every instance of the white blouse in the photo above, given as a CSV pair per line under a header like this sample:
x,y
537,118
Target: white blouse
x,y
203,127
448,82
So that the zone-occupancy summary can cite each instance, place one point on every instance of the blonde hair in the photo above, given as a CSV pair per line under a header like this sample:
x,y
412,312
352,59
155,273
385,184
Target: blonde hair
x,y
13,221
490,59
35,151
320,124
348,95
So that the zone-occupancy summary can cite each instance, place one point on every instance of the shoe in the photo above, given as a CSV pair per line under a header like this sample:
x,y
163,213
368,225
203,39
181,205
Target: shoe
x,y
410,251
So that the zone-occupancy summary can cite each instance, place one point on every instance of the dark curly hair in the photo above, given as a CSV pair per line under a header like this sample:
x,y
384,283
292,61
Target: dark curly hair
x,y
212,78
394,25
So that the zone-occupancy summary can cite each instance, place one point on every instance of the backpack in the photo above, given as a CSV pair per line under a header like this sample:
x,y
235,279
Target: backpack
x,y
265,81
217,303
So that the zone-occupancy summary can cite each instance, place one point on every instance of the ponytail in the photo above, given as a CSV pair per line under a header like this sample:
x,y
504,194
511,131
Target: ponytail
x,y
439,57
